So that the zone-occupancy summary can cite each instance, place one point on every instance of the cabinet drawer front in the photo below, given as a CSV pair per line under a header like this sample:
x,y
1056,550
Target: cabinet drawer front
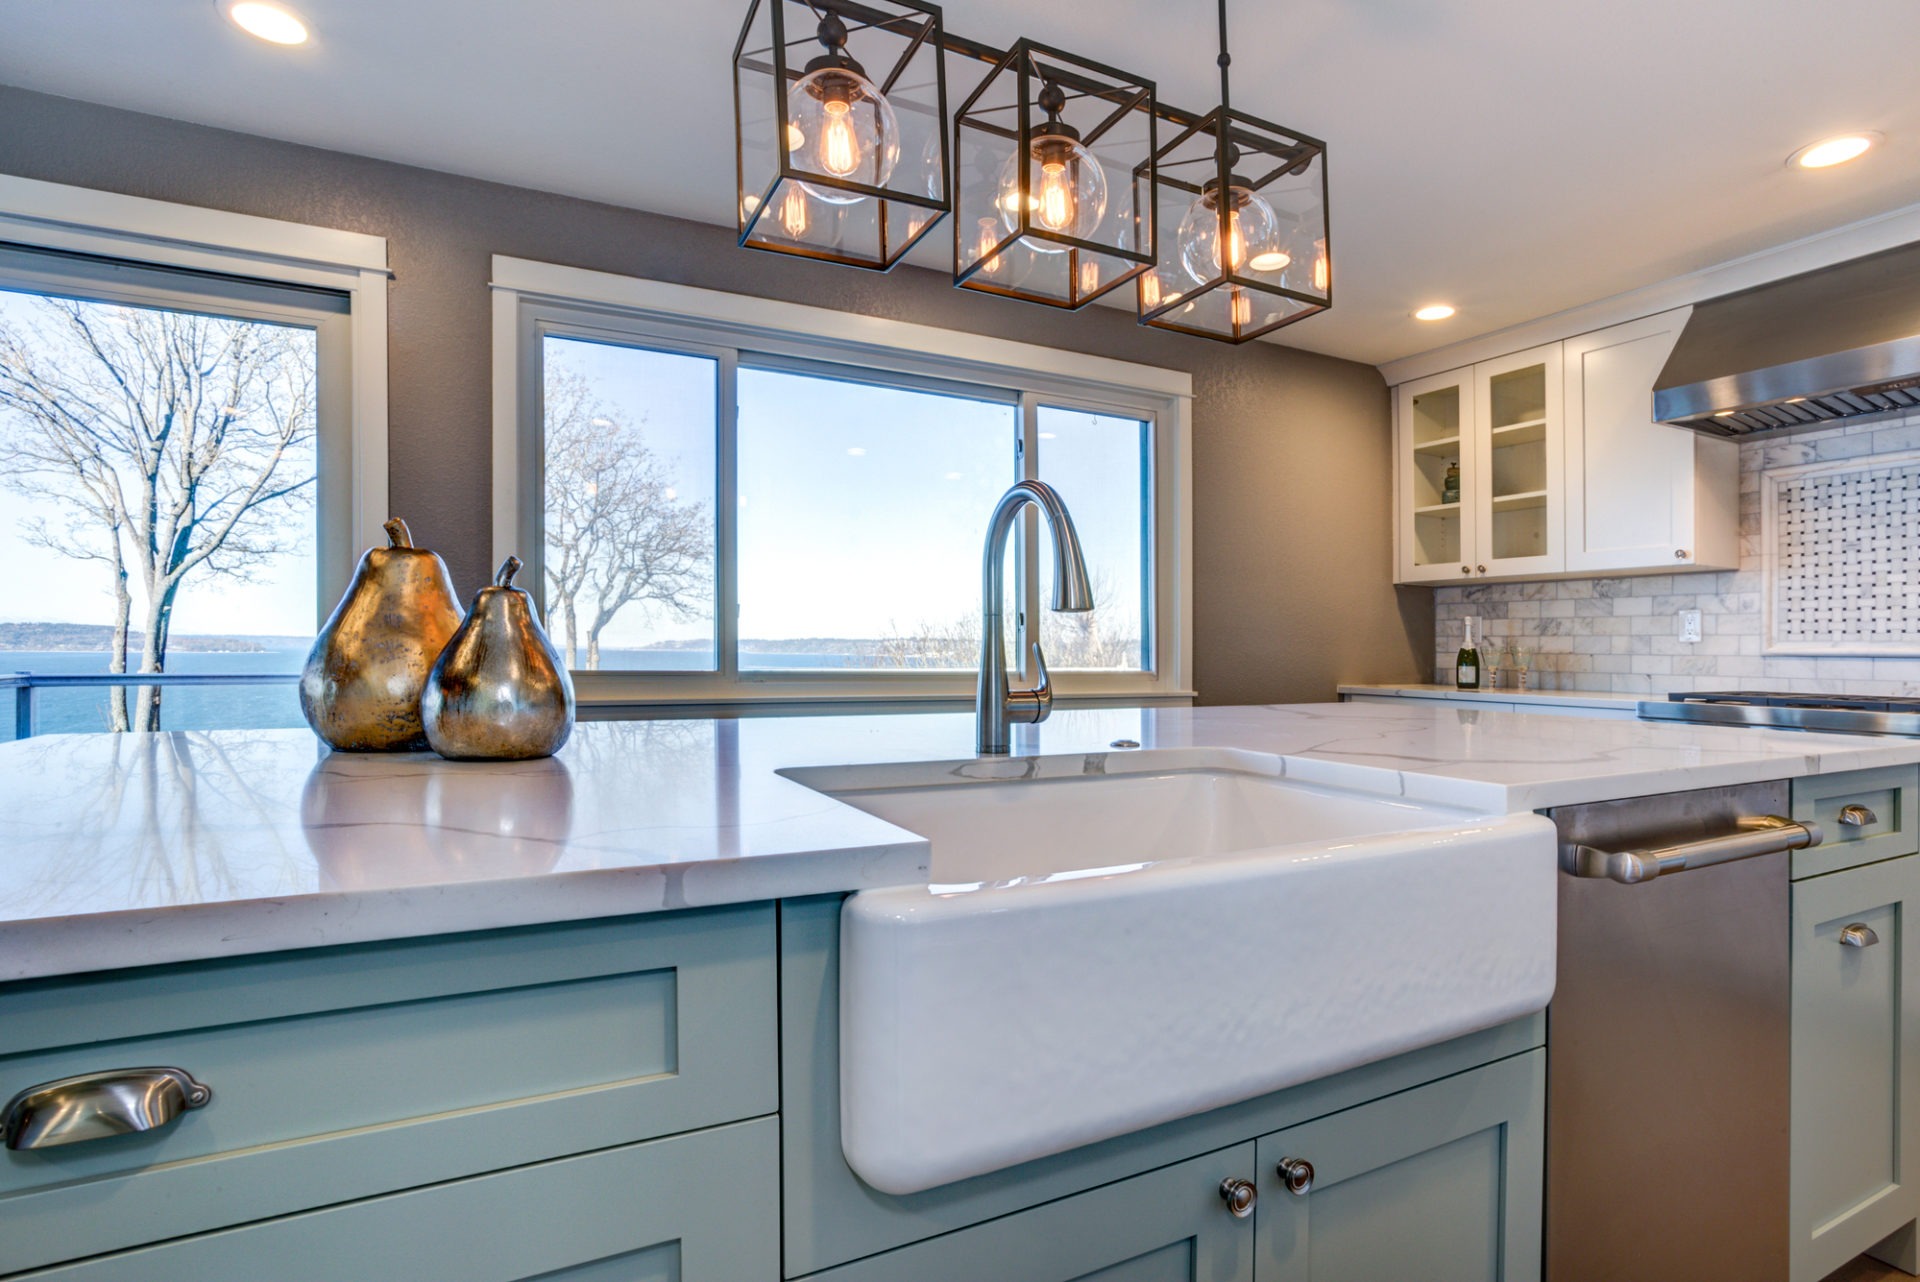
x,y
396,1070
1443,1181
1888,828
1854,1063
702,1207
1169,1225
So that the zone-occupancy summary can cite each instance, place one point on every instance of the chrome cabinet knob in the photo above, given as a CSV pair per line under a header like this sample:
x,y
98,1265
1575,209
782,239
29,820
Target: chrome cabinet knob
x,y
1858,935
1297,1174
1679,554
1466,569
1240,1196
1857,816
1480,568
95,1106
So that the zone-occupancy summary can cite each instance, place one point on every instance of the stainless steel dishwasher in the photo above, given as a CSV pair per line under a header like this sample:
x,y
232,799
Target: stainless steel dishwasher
x,y
1667,1060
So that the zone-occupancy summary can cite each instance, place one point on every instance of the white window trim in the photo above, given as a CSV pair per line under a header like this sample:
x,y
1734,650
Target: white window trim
x,y
526,293
81,220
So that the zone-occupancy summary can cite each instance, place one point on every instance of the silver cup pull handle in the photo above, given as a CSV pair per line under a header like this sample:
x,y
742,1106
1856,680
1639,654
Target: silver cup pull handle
x,y
1857,816
1858,935
94,1106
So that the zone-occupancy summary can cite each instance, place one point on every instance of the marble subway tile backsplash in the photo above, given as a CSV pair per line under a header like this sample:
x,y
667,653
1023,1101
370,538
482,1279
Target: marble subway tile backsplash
x,y
1623,634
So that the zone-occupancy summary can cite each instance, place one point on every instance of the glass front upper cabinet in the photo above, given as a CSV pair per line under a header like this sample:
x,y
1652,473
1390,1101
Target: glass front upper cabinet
x,y
1480,468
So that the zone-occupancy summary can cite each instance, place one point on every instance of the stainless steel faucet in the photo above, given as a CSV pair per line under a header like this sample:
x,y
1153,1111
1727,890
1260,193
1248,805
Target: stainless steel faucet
x,y
995,706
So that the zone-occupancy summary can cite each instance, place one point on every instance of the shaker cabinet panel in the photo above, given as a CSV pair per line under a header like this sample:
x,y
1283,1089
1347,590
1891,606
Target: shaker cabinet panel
x,y
1641,495
1443,1183
1169,1225
1856,1063
702,1207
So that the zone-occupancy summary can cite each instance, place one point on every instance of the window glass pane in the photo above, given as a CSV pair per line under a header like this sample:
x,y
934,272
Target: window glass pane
x,y
862,511
1098,463
158,477
628,521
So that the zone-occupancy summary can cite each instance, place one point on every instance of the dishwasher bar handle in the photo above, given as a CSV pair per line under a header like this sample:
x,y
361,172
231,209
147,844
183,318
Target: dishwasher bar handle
x,y
1764,835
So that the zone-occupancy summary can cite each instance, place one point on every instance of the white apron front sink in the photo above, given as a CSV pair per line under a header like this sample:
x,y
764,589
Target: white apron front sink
x,y
1101,954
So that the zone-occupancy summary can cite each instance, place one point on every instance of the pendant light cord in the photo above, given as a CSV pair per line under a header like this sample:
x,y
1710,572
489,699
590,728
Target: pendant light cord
x,y
1225,58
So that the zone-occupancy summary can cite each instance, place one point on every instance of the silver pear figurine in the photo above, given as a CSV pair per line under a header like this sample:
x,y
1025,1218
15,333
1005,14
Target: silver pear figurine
x,y
360,690
499,691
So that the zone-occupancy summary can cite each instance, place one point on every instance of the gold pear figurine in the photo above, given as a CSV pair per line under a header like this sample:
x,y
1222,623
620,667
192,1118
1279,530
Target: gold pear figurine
x,y
499,690
360,690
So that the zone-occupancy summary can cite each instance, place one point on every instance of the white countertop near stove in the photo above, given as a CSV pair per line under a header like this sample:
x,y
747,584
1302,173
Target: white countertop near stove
x,y
1544,698
140,849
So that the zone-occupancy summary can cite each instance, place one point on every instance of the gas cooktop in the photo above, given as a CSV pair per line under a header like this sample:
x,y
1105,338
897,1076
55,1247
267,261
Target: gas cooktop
x,y
1829,713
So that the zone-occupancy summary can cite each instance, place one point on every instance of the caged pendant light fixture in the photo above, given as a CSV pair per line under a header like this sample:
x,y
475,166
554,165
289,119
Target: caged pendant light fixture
x,y
1036,215
1055,170
1250,201
840,140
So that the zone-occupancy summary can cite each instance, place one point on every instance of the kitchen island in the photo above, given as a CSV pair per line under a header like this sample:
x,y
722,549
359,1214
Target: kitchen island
x,y
554,1018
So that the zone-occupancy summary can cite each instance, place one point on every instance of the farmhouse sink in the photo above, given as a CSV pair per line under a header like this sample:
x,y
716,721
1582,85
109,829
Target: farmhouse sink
x,y
1101,953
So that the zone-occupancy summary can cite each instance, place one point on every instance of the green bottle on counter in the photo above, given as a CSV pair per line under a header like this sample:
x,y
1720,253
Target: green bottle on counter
x,y
1466,668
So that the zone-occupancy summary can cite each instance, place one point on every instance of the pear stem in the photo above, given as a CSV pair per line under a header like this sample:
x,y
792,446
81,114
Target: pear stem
x,y
398,535
508,568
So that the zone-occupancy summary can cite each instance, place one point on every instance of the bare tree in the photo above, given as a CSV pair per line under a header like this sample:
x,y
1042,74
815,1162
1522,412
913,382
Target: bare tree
x,y
168,439
617,532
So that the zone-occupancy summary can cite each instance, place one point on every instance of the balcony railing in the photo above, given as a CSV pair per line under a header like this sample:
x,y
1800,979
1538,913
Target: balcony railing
x,y
25,687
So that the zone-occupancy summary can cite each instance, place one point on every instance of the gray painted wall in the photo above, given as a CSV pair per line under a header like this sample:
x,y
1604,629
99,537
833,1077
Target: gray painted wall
x,y
1292,451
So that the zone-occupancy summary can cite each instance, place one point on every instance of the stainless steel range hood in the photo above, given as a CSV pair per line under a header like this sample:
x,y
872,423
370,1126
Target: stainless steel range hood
x,y
1839,343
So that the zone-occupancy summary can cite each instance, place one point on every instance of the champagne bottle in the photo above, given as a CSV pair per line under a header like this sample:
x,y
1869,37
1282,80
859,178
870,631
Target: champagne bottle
x,y
1466,668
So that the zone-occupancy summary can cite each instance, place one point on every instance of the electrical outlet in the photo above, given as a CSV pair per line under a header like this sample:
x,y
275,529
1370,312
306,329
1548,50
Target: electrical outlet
x,y
1690,626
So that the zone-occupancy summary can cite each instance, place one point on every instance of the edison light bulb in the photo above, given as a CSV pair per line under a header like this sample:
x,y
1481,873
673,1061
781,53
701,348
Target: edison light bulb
x,y
1242,307
1150,290
1066,187
1089,276
847,127
983,248
1322,271
1251,237
793,212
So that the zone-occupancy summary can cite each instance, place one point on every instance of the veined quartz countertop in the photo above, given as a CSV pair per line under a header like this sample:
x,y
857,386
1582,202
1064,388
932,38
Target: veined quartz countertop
x,y
1545,698
126,850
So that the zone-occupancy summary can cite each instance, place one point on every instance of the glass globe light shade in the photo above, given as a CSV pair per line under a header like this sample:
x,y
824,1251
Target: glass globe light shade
x,y
1066,191
1252,239
845,127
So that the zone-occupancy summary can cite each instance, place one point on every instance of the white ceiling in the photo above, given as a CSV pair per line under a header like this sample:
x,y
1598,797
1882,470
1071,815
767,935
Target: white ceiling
x,y
1510,156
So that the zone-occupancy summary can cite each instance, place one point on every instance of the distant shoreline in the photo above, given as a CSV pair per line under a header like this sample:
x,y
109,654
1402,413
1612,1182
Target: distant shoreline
x,y
87,638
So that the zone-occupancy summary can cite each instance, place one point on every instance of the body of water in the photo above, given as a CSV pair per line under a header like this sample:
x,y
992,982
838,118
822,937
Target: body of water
x,y
259,707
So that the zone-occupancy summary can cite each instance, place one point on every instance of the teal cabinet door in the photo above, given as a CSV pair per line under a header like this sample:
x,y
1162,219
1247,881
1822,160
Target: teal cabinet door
x,y
701,1207
1169,1225
1865,816
1856,1061
1441,1183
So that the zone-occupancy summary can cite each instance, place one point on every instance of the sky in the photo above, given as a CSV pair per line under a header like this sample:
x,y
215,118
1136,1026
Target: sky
x,y
45,586
863,508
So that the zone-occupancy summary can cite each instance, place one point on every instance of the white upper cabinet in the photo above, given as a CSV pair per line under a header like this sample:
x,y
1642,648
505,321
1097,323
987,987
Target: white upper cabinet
x,y
1499,424
1563,470
1642,495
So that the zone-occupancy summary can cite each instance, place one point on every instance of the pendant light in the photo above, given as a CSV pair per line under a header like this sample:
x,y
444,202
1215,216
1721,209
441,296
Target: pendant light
x,y
1250,201
1053,183
843,156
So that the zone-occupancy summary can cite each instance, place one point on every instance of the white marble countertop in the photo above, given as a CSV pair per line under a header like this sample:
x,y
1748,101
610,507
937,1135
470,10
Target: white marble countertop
x,y
1546,698
139,849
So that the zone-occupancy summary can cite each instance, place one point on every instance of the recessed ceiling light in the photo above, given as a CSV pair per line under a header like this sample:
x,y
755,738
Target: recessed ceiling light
x,y
1434,312
1832,151
269,22
1271,261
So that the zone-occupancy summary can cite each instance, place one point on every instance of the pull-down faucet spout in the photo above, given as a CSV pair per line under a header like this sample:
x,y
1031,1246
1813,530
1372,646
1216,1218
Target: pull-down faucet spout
x,y
996,706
